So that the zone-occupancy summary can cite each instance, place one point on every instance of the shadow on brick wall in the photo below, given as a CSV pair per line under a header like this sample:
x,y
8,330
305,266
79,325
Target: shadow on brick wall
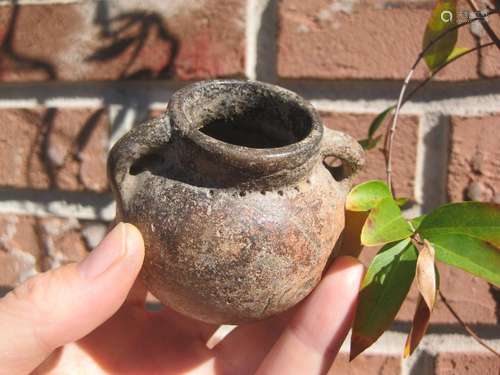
x,y
129,31
123,37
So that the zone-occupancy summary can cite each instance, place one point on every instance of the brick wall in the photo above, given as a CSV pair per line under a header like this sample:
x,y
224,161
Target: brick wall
x,y
75,75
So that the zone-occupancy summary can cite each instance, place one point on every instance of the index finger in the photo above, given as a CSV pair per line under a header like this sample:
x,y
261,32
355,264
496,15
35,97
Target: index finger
x,y
312,339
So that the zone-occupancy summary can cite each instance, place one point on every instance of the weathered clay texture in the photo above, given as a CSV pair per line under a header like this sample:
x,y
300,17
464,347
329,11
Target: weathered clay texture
x,y
228,188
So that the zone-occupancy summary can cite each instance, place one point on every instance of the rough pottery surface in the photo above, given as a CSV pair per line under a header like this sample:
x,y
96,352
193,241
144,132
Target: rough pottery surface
x,y
229,188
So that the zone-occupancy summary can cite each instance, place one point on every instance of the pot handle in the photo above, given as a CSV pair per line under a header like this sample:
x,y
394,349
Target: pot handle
x,y
345,148
140,141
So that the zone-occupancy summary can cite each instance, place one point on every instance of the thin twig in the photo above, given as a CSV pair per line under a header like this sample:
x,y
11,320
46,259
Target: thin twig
x,y
392,130
422,83
466,326
387,144
402,100
485,24
388,147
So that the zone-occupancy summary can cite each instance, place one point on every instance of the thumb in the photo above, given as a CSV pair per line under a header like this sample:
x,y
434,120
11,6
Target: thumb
x,y
63,305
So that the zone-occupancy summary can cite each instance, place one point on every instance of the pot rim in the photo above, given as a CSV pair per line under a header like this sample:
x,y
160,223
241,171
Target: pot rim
x,y
254,160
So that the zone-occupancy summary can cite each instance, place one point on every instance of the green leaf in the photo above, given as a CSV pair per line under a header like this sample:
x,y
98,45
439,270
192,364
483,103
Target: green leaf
x,y
385,224
469,254
378,121
443,17
475,219
402,201
369,143
416,221
365,196
383,290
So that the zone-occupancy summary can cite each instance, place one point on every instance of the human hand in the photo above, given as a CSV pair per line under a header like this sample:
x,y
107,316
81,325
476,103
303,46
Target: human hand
x,y
64,315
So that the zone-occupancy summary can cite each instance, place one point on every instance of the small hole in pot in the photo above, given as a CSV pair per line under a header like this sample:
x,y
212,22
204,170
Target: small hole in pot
x,y
263,192
280,193
146,162
211,192
242,193
335,166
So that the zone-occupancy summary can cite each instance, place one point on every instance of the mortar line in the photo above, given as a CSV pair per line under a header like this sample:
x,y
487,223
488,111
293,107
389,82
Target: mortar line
x,y
37,2
335,90
432,161
420,161
392,343
266,42
81,205
252,25
466,107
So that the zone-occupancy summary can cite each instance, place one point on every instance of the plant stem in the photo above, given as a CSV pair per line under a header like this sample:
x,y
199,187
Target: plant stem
x,y
389,136
466,326
402,100
422,83
485,24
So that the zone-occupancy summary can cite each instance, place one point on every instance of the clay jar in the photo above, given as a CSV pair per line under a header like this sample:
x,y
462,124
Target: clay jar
x,y
230,190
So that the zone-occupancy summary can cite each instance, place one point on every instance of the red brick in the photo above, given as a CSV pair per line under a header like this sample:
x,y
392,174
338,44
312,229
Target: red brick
x,y
54,148
474,168
489,57
404,150
140,39
322,39
467,364
31,244
366,365
477,306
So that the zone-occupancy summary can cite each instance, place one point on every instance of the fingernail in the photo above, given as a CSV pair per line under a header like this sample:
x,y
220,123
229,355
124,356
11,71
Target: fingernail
x,y
111,248
133,239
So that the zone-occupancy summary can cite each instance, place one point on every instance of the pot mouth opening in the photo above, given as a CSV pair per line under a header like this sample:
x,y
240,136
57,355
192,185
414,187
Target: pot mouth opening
x,y
247,122
254,120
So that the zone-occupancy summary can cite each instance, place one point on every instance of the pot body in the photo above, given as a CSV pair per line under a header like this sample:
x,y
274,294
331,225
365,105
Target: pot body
x,y
234,232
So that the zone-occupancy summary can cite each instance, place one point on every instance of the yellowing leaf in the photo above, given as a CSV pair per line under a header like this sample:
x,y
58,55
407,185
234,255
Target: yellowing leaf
x,y
385,224
365,196
426,275
442,18
427,287
351,236
418,328
457,51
